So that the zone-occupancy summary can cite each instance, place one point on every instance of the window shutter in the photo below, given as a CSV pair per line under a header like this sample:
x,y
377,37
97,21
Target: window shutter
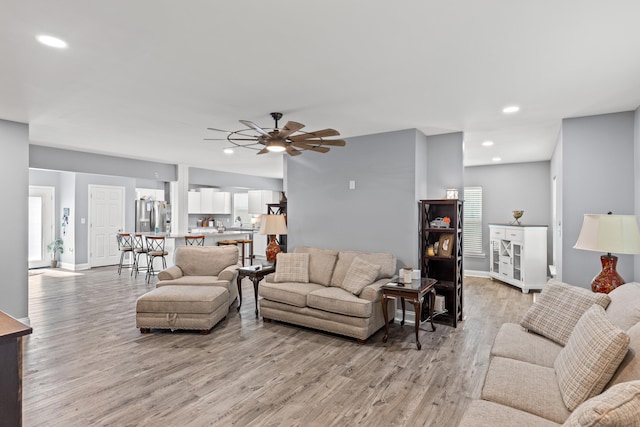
x,y
473,221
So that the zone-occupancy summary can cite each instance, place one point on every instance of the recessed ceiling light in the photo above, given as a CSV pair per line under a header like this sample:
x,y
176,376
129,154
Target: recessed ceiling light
x,y
511,109
228,151
497,159
52,41
487,143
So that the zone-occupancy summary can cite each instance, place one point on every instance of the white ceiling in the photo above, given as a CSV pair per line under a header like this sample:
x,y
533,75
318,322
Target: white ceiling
x,y
145,78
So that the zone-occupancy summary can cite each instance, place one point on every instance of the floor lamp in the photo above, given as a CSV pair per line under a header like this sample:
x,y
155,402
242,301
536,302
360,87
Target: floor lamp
x,y
609,233
273,225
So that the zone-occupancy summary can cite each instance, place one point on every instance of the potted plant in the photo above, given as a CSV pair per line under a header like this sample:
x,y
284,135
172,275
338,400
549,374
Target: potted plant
x,y
55,247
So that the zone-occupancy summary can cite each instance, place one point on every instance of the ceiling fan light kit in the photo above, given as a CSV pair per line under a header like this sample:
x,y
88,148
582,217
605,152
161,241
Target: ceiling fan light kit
x,y
289,139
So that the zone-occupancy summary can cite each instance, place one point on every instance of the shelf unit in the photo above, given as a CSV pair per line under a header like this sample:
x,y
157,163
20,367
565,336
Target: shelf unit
x,y
448,270
279,209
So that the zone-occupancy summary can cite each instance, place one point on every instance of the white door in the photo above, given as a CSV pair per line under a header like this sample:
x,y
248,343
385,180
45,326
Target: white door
x,y
106,219
41,220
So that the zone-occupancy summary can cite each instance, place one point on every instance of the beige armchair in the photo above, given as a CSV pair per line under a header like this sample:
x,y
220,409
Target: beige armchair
x,y
203,266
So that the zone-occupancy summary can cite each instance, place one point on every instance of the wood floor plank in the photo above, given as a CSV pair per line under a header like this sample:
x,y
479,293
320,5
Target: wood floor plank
x,y
87,364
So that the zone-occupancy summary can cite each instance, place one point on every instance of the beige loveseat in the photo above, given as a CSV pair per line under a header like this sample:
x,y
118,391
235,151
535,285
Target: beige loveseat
x,y
575,364
203,266
334,291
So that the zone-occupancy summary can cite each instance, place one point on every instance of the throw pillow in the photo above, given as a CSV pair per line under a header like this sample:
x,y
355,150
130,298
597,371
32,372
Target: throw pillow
x,y
360,274
292,268
590,358
629,369
617,407
558,308
624,310
321,264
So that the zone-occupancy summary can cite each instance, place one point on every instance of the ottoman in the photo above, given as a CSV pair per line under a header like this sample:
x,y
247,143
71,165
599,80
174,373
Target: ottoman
x,y
182,307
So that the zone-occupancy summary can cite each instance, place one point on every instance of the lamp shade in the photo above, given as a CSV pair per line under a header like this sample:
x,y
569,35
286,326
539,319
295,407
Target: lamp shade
x,y
273,224
609,233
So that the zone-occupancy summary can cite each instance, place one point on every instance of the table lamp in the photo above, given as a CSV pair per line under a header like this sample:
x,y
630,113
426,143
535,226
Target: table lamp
x,y
609,233
273,225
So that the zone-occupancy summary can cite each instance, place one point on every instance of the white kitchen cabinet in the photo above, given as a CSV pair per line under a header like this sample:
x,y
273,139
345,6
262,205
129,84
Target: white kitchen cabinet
x,y
149,194
221,203
518,255
194,202
258,200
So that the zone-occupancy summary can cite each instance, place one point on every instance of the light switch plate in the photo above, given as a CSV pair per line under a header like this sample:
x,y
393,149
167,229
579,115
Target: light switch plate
x,y
352,184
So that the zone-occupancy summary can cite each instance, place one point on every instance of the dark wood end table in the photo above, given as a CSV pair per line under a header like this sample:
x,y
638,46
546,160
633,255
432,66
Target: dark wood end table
x,y
414,292
255,273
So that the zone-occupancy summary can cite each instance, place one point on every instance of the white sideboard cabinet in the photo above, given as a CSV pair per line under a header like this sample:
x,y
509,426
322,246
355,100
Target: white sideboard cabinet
x,y
518,255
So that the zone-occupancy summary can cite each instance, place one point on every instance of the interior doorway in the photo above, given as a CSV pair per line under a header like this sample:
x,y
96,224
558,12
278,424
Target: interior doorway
x,y
41,222
106,219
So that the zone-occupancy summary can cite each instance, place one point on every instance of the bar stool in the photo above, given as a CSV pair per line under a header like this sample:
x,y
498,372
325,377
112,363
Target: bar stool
x,y
139,249
155,248
125,246
194,240
243,243
227,242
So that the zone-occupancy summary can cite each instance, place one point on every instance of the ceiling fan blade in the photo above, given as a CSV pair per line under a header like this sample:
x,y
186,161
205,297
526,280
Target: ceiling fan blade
x,y
290,128
316,134
263,151
305,146
333,142
293,152
254,127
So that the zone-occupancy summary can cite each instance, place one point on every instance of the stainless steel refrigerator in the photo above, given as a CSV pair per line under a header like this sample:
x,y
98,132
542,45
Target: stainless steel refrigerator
x,y
151,216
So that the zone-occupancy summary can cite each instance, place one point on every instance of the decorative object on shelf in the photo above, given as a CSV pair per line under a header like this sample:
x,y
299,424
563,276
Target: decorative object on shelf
x,y
517,215
445,245
431,251
441,222
55,247
405,274
278,140
609,233
452,194
273,225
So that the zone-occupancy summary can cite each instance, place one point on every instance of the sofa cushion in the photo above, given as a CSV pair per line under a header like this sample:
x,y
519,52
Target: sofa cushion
x,y
292,293
525,386
360,274
617,407
321,264
293,267
205,260
482,413
386,261
624,309
558,308
337,300
629,369
590,358
514,342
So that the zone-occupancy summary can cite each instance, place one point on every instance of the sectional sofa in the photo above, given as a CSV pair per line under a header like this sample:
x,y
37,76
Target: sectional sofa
x,y
573,360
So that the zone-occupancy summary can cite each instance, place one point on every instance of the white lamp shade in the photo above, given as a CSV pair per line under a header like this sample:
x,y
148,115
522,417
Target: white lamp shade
x,y
609,233
273,224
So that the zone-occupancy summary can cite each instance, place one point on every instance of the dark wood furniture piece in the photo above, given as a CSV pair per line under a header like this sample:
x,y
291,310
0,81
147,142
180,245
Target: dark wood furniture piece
x,y
255,273
279,209
11,333
447,269
414,292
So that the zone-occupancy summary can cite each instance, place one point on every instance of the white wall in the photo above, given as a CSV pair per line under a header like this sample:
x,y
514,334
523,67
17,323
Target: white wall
x,y
445,160
597,177
636,147
14,166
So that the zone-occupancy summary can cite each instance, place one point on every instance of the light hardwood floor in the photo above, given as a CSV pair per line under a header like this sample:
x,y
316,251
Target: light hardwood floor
x,y
86,364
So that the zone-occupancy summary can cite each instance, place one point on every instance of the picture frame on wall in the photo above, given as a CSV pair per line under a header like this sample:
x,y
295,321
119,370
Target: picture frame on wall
x,y
445,245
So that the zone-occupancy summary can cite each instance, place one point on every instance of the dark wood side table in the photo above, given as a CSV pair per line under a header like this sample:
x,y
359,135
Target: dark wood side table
x,y
414,292
11,333
256,273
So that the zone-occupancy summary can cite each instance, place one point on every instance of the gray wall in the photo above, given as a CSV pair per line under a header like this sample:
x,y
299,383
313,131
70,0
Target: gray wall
x,y
505,188
14,164
636,168
556,172
598,176
380,214
445,160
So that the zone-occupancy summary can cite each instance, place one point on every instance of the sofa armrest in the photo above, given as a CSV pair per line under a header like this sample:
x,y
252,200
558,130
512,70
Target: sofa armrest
x,y
229,273
373,292
171,273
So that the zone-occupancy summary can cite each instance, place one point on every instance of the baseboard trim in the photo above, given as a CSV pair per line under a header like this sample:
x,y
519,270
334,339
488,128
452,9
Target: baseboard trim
x,y
25,320
74,267
476,273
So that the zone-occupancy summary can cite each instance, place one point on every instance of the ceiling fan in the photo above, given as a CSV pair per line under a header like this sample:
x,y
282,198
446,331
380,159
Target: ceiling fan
x,y
277,140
